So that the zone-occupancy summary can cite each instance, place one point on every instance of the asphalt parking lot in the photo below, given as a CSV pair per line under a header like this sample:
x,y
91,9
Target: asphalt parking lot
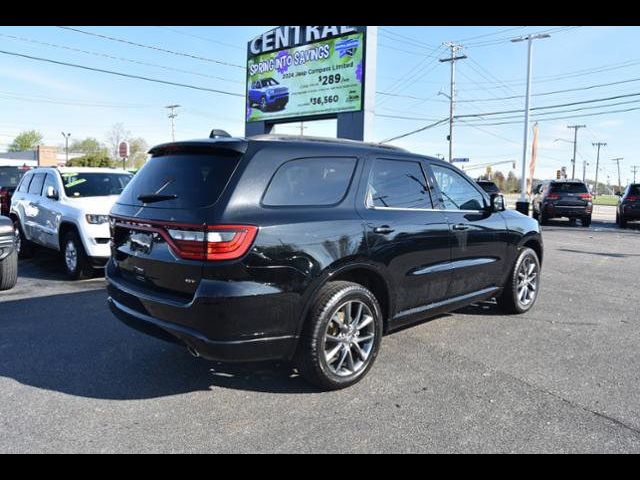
x,y
563,378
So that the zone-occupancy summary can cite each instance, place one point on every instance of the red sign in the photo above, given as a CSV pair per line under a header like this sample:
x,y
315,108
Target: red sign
x,y
123,149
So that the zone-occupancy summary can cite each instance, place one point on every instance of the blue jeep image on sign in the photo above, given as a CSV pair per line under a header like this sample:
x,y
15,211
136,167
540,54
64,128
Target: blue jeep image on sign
x,y
268,94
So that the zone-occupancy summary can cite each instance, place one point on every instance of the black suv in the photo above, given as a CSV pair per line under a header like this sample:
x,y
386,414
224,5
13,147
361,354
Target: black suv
x,y
290,248
629,206
8,255
562,198
9,179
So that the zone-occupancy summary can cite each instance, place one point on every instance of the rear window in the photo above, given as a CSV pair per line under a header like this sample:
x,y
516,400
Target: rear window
x,y
634,190
568,188
310,182
10,176
181,180
80,185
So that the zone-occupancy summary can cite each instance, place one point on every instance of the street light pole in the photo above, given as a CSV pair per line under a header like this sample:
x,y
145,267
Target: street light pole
x,y
523,206
66,146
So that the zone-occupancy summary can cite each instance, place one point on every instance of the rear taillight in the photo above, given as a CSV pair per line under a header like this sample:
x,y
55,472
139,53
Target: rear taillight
x,y
219,242
632,199
4,200
585,196
553,196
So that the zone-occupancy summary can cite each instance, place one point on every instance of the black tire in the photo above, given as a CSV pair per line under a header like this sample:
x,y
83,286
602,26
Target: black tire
x,y
535,215
622,222
83,269
263,104
26,248
508,301
586,221
543,219
9,271
310,357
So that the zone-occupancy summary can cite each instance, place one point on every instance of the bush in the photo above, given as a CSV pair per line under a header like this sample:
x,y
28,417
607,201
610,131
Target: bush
x,y
92,160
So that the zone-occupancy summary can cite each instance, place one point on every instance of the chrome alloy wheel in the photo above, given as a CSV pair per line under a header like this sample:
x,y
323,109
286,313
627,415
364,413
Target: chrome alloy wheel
x,y
71,256
349,339
527,281
17,239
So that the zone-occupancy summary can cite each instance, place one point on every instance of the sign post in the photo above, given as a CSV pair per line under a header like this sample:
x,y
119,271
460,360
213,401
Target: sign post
x,y
303,73
124,152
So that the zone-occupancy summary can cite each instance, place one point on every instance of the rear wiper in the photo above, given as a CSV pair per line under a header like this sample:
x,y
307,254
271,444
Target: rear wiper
x,y
155,197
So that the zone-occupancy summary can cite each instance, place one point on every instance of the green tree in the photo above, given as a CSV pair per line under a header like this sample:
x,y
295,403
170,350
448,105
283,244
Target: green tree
x,y
138,152
92,160
27,140
89,146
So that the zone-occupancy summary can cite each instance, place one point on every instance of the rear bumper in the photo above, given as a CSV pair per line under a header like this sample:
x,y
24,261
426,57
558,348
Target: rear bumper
x,y
631,213
254,350
224,321
565,211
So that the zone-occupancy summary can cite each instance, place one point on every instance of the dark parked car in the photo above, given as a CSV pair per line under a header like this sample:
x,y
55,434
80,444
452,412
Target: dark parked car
x,y
268,94
562,198
629,205
291,248
488,186
8,255
9,179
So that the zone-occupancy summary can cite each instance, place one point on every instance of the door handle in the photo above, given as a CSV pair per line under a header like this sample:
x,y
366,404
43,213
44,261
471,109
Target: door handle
x,y
384,230
461,227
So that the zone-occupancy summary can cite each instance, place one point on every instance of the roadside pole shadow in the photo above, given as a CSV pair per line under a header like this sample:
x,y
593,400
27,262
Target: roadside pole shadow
x,y
72,344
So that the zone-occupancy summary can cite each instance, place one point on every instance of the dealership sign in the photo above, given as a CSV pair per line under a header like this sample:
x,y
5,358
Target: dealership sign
x,y
300,71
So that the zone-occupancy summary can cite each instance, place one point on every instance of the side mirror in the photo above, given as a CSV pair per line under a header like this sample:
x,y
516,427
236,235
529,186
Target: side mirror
x,y
497,203
52,194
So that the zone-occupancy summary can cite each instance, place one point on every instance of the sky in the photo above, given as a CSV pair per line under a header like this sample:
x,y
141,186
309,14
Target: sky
x,y
53,98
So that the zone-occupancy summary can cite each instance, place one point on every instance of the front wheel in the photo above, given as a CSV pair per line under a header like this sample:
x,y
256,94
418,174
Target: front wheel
x,y
523,285
76,261
9,271
341,337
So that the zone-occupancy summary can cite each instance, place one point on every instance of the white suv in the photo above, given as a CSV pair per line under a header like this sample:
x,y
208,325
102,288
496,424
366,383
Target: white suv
x,y
67,209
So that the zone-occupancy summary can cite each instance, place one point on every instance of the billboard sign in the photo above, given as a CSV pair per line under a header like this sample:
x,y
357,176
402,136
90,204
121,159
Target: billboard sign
x,y
297,72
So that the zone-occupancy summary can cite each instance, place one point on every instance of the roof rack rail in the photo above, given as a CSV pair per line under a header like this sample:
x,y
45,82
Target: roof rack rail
x,y
303,138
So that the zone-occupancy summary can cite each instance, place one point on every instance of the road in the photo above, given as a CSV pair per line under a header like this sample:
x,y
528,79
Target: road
x,y
563,378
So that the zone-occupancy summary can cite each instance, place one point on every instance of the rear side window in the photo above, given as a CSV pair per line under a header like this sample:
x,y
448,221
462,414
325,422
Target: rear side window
x,y
36,184
568,188
24,185
318,181
398,184
181,180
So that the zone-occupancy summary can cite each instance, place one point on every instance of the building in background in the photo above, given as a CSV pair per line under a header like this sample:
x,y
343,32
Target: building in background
x,y
42,156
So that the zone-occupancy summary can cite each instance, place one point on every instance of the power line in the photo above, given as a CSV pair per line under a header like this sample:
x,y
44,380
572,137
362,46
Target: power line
x,y
410,39
490,34
206,39
413,132
111,72
152,47
122,59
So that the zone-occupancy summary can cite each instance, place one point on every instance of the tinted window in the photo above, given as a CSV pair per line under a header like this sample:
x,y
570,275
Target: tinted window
x,y
310,181
634,190
457,192
77,185
50,181
36,184
24,185
398,184
196,180
10,176
568,188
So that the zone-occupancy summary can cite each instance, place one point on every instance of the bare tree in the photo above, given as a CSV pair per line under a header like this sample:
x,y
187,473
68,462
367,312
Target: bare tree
x,y
117,134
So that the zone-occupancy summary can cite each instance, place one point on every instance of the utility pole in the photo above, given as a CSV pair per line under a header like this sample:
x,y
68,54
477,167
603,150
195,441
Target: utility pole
x,y
634,169
452,91
584,171
575,144
598,144
172,115
523,206
66,145
618,160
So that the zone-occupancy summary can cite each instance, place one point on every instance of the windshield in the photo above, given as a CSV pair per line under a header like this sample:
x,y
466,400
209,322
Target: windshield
x,y
10,176
568,188
78,185
269,82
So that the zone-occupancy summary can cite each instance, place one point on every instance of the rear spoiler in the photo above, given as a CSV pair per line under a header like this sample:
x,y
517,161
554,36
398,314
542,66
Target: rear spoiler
x,y
238,145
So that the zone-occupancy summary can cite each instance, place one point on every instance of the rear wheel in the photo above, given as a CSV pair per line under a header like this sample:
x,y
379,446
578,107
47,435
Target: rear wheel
x,y
342,336
543,218
9,271
521,290
586,221
620,220
76,261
